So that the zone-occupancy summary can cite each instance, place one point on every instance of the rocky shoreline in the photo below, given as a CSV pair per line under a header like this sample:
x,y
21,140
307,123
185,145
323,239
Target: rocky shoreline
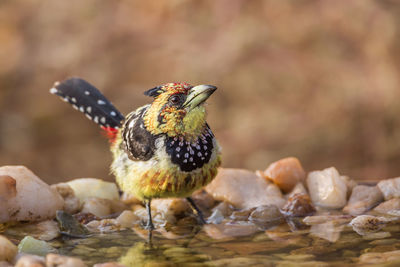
x,y
278,202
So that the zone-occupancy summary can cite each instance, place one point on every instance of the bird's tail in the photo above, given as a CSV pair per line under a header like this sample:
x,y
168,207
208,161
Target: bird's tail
x,y
86,98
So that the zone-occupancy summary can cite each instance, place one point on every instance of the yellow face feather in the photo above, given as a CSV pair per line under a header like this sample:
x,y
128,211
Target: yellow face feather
x,y
173,120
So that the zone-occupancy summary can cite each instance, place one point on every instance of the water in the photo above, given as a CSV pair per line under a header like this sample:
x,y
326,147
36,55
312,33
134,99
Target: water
x,y
275,247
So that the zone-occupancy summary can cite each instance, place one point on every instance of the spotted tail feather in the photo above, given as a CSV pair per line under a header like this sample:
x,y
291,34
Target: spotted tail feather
x,y
86,98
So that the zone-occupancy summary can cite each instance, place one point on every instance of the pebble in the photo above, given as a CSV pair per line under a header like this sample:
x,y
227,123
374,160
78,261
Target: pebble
x,y
102,207
54,260
46,230
285,173
229,230
388,206
31,261
328,231
127,219
24,197
380,257
91,187
7,249
390,188
299,205
365,224
244,189
362,199
266,216
327,188
72,204
30,245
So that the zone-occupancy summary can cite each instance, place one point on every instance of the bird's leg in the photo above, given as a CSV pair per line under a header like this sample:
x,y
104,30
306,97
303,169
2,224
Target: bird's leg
x,y
196,210
149,225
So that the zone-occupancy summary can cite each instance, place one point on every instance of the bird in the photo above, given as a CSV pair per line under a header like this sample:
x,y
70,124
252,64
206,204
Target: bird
x,y
163,149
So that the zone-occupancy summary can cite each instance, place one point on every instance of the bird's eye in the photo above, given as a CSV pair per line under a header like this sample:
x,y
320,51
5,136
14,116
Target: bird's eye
x,y
176,99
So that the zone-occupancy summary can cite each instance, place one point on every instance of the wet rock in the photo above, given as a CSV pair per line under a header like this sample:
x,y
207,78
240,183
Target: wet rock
x,y
24,197
203,199
7,249
229,230
328,231
285,173
127,219
31,261
54,260
90,187
70,226
46,230
216,217
30,245
362,199
299,205
266,216
225,208
241,215
327,188
5,264
319,219
388,206
244,189
390,188
298,189
365,224
380,258
350,183
72,204
163,210
84,217
104,226
102,207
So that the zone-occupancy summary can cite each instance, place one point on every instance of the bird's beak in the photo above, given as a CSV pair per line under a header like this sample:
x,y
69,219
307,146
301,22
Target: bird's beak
x,y
198,95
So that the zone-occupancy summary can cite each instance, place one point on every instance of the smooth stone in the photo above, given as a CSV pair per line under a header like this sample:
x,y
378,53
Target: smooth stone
x,y
365,224
102,207
328,231
388,206
127,219
266,216
380,257
350,183
72,204
244,189
91,187
298,189
241,215
27,198
362,199
390,188
319,219
7,249
129,199
327,188
64,261
46,230
104,226
31,261
203,199
225,208
30,245
299,205
285,173
229,230
216,217
70,226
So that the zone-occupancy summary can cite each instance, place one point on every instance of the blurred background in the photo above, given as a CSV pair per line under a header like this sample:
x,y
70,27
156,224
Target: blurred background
x,y
318,80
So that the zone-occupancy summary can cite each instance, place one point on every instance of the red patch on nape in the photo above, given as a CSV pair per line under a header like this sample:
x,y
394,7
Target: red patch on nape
x,y
110,133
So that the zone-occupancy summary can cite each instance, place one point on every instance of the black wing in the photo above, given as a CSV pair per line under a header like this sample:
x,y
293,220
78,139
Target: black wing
x,y
138,143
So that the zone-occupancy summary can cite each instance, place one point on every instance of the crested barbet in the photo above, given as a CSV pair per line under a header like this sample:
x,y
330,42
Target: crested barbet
x,y
163,149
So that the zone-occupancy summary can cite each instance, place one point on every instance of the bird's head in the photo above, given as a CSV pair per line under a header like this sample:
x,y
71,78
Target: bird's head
x,y
177,109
